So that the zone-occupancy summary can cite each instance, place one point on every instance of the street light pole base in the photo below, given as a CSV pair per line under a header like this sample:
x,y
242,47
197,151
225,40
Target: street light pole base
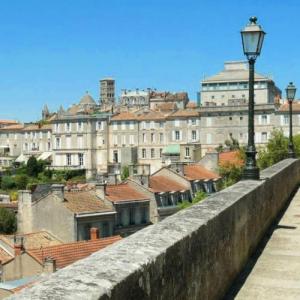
x,y
251,173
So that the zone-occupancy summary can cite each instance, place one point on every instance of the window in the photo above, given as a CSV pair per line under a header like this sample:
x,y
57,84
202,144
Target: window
x,y
57,143
69,159
143,153
48,134
176,123
152,125
230,134
68,127
208,138
194,135
100,125
187,151
144,138
49,146
124,139
208,121
143,125
131,139
132,215
286,120
161,137
160,152
80,142
264,119
79,126
147,125
131,125
241,118
68,142
230,118
212,97
152,137
264,137
115,139
41,135
123,126
115,126
80,159
161,124
152,153
177,135
194,121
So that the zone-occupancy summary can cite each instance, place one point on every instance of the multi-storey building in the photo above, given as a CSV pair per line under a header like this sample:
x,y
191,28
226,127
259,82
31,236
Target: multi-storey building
x,y
230,87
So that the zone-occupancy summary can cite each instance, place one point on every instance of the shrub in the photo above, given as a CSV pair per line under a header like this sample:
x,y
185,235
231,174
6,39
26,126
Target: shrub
x,y
7,183
21,181
8,221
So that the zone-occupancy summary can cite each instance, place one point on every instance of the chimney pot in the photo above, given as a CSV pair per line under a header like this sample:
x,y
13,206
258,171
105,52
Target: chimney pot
x,y
94,233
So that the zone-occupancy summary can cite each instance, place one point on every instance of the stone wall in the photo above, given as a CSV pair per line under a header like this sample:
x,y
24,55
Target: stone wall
x,y
194,254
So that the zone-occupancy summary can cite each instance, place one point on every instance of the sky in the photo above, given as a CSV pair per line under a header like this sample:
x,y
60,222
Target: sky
x,y
52,52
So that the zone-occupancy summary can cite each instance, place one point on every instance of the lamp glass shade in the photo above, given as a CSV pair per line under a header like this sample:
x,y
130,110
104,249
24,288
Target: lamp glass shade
x,y
290,92
252,39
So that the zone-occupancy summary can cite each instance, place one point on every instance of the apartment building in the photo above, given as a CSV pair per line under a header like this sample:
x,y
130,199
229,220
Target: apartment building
x,y
230,87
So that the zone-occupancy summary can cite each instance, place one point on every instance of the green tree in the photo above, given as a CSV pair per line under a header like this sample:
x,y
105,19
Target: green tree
x,y
21,181
275,151
7,183
125,172
230,174
232,144
33,167
199,196
8,221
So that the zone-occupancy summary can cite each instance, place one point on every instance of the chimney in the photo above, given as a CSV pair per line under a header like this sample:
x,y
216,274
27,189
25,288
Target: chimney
x,y
18,245
94,234
58,190
49,265
101,189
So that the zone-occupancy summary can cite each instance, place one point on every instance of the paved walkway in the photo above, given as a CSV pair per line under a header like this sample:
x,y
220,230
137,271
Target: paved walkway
x,y
276,272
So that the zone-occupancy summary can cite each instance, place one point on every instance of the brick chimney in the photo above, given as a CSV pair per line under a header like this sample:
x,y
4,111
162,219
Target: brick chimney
x,y
94,233
49,265
18,245
101,189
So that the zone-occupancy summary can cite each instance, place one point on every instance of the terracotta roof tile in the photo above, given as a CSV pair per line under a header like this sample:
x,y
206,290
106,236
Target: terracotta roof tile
x,y
159,184
184,113
84,202
123,192
230,157
4,256
33,239
151,115
13,127
285,106
68,253
191,105
36,127
8,122
198,172
124,116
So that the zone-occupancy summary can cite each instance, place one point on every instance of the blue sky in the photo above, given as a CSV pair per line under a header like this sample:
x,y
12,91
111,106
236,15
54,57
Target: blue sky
x,y
53,51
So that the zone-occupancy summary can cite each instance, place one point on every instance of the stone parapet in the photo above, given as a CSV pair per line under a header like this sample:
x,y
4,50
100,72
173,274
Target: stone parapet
x,y
194,254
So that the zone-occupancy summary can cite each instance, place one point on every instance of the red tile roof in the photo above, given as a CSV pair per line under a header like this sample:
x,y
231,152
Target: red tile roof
x,y
159,184
198,172
35,127
68,253
84,202
8,122
184,113
285,106
151,115
124,116
13,127
191,105
230,157
4,256
123,192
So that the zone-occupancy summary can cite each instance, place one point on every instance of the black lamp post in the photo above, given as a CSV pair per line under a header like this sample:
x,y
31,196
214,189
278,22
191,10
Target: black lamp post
x,y
290,95
252,38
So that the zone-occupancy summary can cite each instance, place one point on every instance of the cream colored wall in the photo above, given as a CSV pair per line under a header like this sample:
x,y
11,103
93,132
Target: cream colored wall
x,y
21,266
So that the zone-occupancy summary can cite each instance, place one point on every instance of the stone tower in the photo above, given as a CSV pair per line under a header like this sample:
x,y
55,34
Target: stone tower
x,y
107,92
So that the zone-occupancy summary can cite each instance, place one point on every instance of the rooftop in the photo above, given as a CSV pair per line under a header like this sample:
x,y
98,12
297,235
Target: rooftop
x,y
161,184
124,192
230,157
198,172
84,202
68,253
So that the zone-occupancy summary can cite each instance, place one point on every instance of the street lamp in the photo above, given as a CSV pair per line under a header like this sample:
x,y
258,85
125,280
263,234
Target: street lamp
x,y
252,38
290,95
